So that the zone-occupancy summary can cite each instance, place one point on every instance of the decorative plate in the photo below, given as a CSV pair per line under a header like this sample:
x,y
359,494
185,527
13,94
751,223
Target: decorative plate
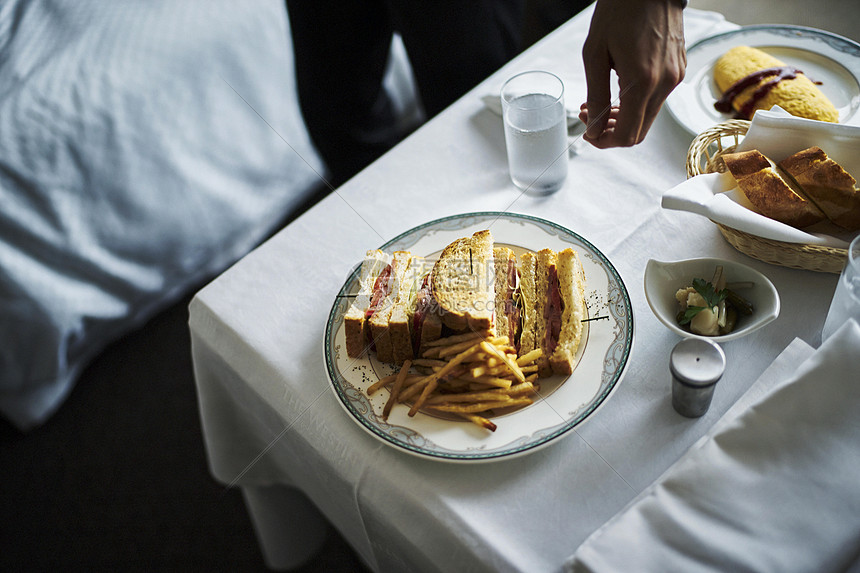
x,y
563,402
824,57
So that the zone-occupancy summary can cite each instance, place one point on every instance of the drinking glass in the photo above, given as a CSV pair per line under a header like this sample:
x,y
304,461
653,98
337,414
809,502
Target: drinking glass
x,y
535,131
846,300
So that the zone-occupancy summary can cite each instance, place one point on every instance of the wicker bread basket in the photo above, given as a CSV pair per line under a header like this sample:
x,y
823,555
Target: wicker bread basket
x,y
705,156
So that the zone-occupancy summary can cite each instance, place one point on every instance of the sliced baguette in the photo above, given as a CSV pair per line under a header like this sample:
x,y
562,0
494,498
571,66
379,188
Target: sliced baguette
x,y
827,185
772,194
462,283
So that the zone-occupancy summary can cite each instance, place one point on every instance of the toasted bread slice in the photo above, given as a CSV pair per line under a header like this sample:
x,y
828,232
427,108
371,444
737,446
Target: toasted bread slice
x,y
827,185
355,319
571,282
507,317
379,321
546,310
772,194
462,283
528,290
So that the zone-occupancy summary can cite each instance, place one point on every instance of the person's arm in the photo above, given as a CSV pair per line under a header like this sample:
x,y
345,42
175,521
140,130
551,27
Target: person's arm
x,y
643,41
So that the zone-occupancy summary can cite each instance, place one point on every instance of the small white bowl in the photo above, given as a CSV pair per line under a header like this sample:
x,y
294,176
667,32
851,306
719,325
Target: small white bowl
x,y
663,279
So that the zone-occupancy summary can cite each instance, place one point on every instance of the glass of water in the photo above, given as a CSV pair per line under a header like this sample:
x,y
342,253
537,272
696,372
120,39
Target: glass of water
x,y
846,300
536,131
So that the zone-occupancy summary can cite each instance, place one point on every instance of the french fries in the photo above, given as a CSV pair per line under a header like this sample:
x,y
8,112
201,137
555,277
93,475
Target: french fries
x,y
398,385
471,376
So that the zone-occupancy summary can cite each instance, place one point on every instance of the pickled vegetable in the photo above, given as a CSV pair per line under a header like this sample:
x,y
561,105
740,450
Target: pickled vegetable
x,y
709,308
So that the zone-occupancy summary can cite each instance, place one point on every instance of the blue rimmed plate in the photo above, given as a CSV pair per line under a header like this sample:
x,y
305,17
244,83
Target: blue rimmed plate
x,y
823,56
563,403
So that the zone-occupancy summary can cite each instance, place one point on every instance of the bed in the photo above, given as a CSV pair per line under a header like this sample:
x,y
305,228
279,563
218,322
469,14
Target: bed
x,y
144,147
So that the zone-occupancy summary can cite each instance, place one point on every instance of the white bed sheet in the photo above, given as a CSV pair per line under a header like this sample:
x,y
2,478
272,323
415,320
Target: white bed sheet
x,y
144,147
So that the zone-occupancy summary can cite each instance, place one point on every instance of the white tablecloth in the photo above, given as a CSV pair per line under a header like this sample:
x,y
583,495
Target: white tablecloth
x,y
270,417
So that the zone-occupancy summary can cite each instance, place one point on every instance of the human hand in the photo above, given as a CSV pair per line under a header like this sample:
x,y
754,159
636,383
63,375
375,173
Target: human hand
x,y
643,41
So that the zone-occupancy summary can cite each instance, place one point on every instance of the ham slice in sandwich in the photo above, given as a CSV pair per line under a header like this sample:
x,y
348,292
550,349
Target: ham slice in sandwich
x,y
373,285
507,309
380,310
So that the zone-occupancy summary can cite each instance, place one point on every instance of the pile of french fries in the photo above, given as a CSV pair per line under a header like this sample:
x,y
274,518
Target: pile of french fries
x,y
467,375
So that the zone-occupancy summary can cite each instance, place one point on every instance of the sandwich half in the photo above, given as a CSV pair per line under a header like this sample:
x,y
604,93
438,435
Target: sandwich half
x,y
425,321
383,302
532,316
571,284
412,321
553,291
462,283
356,317
506,286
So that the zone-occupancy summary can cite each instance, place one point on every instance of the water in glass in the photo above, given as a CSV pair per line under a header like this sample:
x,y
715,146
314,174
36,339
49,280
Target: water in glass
x,y
537,142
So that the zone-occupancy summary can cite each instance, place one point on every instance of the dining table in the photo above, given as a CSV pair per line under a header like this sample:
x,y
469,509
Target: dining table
x,y
275,426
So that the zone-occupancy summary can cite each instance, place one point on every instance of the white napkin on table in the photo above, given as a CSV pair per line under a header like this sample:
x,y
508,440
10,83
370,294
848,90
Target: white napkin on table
x,y
773,488
777,135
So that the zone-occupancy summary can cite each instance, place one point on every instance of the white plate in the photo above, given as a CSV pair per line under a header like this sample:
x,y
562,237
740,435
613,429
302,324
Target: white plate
x,y
563,403
822,56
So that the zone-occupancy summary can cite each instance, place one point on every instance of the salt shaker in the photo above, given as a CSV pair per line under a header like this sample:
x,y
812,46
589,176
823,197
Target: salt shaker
x,y
696,365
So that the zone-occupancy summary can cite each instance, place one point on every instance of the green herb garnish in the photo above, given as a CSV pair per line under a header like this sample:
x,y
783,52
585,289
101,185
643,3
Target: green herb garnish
x,y
712,297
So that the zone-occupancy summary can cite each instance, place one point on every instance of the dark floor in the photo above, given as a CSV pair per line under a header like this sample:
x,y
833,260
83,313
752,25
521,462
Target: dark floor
x,y
117,479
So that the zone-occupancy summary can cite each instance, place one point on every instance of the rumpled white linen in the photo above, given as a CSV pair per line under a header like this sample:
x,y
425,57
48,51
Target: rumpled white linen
x,y
144,147
772,487
777,135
